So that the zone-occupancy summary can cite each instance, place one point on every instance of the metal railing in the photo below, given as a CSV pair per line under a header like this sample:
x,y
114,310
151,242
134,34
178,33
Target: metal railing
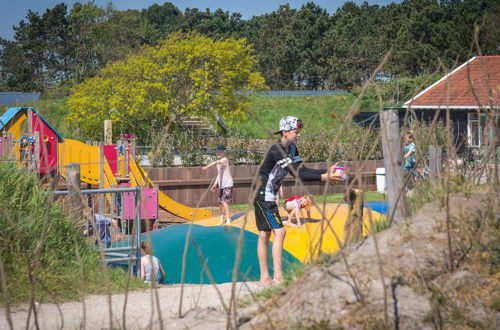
x,y
112,254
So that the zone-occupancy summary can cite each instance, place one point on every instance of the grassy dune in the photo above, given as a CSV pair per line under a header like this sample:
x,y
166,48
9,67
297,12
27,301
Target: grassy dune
x,y
319,113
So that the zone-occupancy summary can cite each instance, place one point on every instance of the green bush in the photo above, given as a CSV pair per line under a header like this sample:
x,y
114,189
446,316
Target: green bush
x,y
41,248
354,144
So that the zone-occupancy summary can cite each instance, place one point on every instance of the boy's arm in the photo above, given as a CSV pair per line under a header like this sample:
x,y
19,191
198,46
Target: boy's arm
x,y
217,162
308,174
215,184
297,216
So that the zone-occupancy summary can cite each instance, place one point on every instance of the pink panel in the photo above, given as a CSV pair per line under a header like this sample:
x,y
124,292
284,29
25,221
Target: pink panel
x,y
48,145
1,146
149,204
111,155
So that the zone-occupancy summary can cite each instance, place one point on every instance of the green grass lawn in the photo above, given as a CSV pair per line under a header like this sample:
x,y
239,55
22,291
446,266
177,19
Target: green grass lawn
x,y
370,196
319,113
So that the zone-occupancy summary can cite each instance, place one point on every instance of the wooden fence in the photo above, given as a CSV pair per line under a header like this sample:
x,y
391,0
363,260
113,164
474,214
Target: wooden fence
x,y
191,185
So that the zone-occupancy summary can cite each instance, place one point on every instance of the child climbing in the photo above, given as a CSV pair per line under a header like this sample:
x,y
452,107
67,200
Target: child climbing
x,y
293,205
224,181
102,224
151,269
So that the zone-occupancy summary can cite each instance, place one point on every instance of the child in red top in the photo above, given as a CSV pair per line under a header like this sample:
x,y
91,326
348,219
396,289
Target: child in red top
x,y
293,205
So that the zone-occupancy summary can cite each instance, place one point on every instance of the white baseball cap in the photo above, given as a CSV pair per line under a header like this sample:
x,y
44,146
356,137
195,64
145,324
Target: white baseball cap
x,y
289,123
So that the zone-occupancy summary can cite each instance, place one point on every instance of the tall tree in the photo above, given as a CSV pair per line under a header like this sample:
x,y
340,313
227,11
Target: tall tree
x,y
165,19
310,25
87,30
274,42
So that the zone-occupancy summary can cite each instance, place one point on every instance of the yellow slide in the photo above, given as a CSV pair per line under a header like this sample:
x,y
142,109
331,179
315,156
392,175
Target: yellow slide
x,y
87,156
138,177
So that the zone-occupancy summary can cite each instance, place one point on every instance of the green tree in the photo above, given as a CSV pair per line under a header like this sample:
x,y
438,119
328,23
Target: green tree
x,y
186,74
274,42
355,44
86,27
310,24
165,19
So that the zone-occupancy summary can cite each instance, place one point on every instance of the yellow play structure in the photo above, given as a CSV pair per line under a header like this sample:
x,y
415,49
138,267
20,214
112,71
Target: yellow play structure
x,y
52,153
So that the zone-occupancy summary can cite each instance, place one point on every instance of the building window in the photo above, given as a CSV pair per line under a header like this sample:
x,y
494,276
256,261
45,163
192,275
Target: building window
x,y
478,132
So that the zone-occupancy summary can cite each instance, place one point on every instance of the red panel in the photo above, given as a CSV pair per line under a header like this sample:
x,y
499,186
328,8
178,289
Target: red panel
x,y
111,155
48,145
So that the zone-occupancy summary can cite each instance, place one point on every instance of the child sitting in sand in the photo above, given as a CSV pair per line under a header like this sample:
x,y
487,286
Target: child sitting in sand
x,y
293,205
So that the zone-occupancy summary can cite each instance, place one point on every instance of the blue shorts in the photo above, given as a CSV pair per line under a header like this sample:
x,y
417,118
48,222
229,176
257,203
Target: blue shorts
x,y
267,216
409,167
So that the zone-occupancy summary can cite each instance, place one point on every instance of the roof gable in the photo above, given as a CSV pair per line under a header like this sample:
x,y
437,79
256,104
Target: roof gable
x,y
469,86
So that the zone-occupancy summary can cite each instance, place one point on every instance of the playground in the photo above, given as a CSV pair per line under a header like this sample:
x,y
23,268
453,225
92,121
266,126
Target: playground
x,y
117,186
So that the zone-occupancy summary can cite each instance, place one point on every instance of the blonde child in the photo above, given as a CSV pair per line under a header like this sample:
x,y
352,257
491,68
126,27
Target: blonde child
x,y
293,205
224,181
150,266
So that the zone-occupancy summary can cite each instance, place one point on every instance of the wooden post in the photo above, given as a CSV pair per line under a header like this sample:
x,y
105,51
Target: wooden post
x,y
108,132
75,196
353,227
393,162
132,149
435,161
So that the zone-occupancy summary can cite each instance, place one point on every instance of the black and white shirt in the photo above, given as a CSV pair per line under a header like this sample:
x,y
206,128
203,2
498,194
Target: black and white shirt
x,y
277,164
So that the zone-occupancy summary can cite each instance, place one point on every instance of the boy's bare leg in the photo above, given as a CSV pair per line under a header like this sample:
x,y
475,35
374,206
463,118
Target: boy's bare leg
x,y
225,206
279,238
262,255
221,217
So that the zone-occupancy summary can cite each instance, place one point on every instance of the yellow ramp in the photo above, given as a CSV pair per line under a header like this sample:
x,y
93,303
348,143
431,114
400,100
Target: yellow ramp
x,y
304,243
138,177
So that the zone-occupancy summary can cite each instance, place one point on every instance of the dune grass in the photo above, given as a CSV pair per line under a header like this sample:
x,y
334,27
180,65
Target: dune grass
x,y
43,254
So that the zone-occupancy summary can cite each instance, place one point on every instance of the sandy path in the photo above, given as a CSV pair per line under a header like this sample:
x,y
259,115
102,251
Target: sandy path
x,y
141,310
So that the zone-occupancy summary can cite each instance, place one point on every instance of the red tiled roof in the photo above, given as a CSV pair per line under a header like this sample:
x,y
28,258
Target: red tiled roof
x,y
456,91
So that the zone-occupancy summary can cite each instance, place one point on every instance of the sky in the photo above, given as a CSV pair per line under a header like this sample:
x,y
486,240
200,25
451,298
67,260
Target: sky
x,y
13,11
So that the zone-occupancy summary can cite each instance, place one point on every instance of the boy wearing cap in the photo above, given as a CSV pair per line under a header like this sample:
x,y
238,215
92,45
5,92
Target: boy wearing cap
x,y
281,159
225,182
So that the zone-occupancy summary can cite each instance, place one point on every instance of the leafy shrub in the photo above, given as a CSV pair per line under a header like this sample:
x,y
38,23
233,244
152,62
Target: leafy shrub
x,y
354,144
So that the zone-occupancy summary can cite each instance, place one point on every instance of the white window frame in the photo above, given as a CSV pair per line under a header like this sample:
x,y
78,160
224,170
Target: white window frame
x,y
480,128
